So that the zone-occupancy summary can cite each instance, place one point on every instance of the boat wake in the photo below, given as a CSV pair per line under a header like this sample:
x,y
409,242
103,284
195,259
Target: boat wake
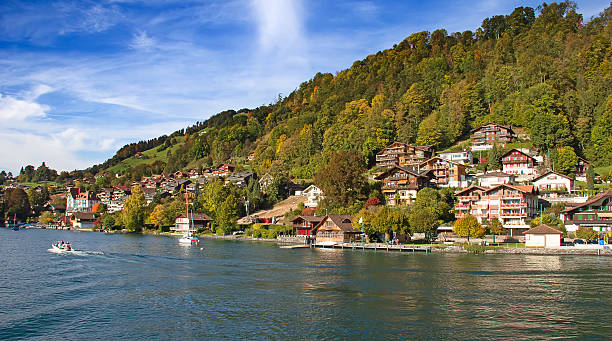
x,y
75,252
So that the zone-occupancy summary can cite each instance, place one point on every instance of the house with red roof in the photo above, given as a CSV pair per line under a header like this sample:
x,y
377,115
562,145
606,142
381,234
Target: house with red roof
x,y
513,205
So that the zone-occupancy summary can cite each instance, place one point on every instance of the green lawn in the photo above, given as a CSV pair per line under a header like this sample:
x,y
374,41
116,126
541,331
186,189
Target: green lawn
x,y
603,170
151,156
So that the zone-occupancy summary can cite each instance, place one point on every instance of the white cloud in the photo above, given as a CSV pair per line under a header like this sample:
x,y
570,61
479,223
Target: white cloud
x,y
13,110
142,41
279,23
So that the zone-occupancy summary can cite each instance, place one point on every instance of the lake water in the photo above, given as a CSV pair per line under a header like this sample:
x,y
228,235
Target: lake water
x,y
146,287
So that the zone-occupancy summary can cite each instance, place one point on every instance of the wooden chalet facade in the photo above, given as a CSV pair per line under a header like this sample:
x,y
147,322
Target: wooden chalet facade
x,y
486,135
303,225
513,205
336,229
518,163
595,213
400,185
581,169
402,154
200,221
446,173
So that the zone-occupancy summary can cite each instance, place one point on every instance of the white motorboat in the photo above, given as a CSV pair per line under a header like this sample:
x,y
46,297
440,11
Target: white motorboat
x,y
61,246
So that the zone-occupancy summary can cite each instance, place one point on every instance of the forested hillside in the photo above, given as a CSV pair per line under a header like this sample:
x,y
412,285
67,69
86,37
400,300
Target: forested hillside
x,y
544,70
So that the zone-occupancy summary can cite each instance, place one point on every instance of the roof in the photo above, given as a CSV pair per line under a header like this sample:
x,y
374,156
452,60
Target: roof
x,y
339,220
497,174
491,123
196,216
443,159
597,200
543,229
83,215
309,218
522,188
384,174
472,187
517,150
547,173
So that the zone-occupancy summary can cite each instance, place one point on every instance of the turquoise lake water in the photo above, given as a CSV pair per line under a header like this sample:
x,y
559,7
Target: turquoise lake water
x,y
147,287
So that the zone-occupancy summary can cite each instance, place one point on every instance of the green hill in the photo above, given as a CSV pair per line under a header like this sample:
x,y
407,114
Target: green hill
x,y
547,73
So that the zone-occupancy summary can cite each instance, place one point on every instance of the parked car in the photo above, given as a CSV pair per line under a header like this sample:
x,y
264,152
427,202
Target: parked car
x,y
593,241
579,241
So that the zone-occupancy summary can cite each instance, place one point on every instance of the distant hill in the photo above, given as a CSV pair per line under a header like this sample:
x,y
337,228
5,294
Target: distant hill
x,y
548,74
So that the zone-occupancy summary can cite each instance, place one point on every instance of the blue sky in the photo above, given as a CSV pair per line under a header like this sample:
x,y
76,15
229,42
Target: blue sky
x,y
82,78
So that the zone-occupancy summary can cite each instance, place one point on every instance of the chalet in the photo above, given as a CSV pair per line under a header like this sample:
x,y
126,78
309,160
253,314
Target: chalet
x,y
544,236
82,220
303,225
595,213
486,135
193,174
251,156
181,174
464,157
491,179
446,173
265,181
149,193
55,208
105,195
336,229
581,169
402,154
313,195
224,170
400,185
239,179
518,162
138,155
513,205
199,220
551,184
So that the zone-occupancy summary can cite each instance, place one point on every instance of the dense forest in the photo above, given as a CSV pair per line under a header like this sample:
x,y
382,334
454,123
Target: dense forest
x,y
544,71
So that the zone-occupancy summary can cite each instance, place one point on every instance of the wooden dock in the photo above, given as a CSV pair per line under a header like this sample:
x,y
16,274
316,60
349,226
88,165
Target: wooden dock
x,y
377,247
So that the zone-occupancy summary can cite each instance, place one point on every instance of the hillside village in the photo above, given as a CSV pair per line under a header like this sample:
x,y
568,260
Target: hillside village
x,y
509,125
514,194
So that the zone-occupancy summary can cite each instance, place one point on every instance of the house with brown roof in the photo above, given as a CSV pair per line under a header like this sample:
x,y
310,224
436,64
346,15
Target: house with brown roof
x,y
595,213
552,184
199,221
513,205
446,173
486,135
336,229
518,162
303,225
543,236
403,154
400,185
82,220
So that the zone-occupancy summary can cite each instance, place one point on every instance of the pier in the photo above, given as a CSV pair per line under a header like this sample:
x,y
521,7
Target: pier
x,y
376,247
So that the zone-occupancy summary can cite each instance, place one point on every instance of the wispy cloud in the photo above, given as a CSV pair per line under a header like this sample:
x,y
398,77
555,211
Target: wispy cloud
x,y
82,78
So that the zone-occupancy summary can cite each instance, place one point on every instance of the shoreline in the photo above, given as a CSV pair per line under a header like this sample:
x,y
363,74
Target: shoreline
x,y
606,251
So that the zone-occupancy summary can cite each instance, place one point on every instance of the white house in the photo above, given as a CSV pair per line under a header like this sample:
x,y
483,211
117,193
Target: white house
x,y
81,220
492,179
313,195
543,235
463,157
553,182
